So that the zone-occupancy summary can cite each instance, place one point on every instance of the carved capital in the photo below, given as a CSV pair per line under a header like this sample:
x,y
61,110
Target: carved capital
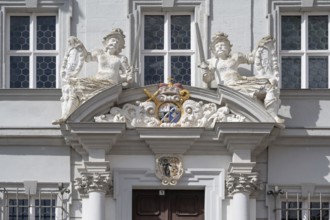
x,y
242,182
91,182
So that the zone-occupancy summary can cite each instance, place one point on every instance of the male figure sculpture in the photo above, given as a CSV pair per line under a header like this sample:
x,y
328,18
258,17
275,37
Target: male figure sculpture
x,y
223,68
113,68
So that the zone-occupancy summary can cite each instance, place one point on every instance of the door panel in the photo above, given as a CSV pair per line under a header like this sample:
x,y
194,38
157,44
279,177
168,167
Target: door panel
x,y
187,205
174,205
148,205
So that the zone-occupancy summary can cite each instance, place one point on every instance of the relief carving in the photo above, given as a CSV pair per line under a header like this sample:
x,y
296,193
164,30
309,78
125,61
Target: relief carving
x,y
170,106
223,69
169,168
242,182
93,182
113,68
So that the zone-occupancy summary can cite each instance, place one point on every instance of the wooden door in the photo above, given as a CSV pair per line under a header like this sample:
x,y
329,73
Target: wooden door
x,y
171,205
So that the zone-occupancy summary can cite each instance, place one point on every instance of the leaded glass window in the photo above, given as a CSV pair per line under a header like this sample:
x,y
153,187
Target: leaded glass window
x,y
167,48
32,51
304,51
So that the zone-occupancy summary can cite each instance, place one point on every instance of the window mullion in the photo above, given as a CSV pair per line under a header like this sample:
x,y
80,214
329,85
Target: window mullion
x,y
328,71
32,49
304,44
31,208
193,77
167,47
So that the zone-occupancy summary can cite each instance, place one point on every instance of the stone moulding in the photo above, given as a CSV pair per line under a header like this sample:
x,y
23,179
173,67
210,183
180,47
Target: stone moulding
x,y
81,130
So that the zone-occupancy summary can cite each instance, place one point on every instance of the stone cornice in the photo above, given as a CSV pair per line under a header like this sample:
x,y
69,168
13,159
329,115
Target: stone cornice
x,y
304,94
30,94
85,136
302,137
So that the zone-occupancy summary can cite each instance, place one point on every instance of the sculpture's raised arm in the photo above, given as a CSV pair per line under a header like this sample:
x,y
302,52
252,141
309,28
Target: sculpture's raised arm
x,y
113,68
223,68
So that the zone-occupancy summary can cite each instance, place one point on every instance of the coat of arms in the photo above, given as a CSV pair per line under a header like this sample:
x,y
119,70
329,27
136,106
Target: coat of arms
x,y
169,168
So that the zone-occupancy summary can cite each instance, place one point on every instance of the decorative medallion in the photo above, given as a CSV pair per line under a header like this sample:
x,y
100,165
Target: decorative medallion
x,y
169,113
169,99
169,168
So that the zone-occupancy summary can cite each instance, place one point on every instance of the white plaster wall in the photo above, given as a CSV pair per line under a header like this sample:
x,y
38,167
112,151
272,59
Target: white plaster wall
x,y
43,164
259,20
234,18
305,112
26,113
148,161
296,165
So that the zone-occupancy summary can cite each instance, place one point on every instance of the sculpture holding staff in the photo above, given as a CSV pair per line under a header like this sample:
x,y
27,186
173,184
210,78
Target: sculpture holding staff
x,y
113,68
223,68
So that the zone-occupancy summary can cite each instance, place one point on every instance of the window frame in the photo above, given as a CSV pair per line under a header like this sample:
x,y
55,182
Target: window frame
x,y
305,208
60,204
304,53
62,8
32,53
167,52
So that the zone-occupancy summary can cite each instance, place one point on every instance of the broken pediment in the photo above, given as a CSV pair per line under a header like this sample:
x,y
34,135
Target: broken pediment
x,y
170,105
236,120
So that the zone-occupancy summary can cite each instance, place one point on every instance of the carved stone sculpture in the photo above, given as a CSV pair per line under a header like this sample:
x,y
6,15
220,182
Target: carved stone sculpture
x,y
170,106
93,182
242,182
169,168
113,68
223,68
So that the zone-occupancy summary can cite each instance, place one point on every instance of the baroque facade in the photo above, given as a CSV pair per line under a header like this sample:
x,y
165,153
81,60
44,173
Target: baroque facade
x,y
163,109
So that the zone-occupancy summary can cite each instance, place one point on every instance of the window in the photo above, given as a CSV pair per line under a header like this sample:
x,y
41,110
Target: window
x,y
295,207
304,51
167,48
48,204
32,51
19,209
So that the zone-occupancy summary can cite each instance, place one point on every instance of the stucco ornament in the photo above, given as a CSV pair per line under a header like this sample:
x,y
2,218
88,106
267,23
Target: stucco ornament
x,y
242,182
223,68
113,68
169,168
170,106
93,182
